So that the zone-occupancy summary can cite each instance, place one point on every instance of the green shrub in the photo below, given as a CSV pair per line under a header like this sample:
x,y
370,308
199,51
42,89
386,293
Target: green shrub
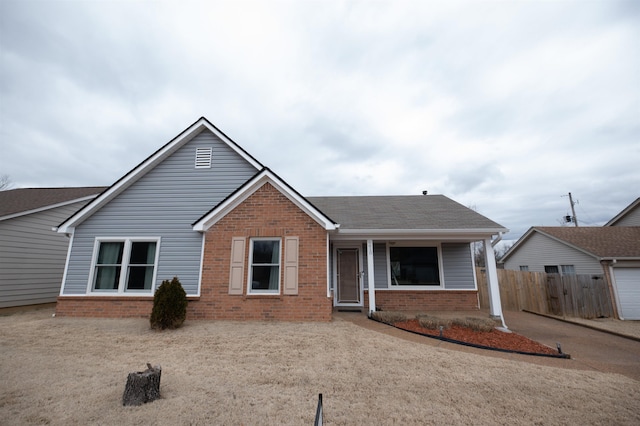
x,y
389,317
476,324
433,323
169,305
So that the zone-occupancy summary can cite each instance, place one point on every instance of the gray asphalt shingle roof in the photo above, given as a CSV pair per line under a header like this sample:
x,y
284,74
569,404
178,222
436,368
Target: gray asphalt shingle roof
x,y
15,201
606,241
409,212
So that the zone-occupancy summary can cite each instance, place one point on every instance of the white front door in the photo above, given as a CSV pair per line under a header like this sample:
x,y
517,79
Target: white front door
x,y
348,277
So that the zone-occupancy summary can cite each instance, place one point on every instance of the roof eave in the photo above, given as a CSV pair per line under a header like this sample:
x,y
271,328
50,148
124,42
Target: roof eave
x,y
619,258
148,164
568,244
624,212
457,234
227,205
49,207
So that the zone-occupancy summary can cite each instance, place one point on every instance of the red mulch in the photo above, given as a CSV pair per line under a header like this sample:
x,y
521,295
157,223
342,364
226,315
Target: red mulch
x,y
493,338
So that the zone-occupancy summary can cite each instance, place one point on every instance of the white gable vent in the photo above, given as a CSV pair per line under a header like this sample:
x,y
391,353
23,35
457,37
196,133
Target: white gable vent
x,y
203,158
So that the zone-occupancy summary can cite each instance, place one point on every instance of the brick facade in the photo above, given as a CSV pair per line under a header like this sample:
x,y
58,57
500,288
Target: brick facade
x,y
428,300
104,307
266,213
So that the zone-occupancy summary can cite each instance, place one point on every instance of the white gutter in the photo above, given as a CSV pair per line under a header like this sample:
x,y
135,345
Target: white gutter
x,y
479,232
497,240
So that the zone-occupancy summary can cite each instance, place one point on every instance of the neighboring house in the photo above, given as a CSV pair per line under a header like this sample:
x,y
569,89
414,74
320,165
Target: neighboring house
x,y
612,251
629,216
32,256
246,245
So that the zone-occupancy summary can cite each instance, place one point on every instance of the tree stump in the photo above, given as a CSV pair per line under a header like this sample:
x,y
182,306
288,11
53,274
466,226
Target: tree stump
x,y
142,386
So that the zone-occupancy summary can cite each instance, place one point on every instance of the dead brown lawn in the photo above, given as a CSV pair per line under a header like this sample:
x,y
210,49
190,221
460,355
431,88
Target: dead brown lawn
x,y
72,371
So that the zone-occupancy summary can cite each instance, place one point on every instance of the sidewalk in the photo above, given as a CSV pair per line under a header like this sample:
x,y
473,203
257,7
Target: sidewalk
x,y
628,329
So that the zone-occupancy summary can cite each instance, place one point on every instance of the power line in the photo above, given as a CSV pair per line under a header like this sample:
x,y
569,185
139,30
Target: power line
x,y
572,218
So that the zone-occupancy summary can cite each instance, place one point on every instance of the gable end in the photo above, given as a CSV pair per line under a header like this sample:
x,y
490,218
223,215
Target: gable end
x,y
151,162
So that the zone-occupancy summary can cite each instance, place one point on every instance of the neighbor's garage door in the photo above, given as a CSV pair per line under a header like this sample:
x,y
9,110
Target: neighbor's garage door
x,y
628,286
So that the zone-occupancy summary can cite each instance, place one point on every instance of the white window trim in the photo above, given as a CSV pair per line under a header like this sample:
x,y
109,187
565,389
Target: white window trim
x,y
250,291
415,287
124,267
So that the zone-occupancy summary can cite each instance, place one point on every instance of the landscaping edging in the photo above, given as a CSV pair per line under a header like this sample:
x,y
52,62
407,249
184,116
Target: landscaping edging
x,y
474,345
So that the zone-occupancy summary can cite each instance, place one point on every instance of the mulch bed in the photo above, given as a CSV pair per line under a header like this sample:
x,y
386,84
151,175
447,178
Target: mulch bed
x,y
491,339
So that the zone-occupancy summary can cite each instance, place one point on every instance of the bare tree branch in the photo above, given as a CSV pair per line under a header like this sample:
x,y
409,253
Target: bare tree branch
x,y
5,182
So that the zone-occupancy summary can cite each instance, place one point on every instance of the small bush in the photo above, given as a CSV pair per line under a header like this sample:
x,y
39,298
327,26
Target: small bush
x,y
389,317
476,324
169,305
433,323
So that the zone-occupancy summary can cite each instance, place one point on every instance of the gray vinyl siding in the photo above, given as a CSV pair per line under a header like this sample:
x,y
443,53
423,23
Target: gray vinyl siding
x,y
32,256
632,218
539,250
457,265
164,203
380,275
380,267
456,260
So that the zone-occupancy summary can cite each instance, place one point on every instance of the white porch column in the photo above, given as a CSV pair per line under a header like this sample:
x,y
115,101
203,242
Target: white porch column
x,y
370,279
495,306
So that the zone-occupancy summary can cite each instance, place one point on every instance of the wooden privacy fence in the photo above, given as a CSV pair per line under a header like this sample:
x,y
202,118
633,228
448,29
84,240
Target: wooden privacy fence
x,y
581,296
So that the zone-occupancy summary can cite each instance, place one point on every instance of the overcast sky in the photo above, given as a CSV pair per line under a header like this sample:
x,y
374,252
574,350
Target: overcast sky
x,y
504,106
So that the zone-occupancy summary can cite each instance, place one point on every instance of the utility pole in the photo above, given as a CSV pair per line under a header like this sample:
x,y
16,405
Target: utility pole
x,y
573,211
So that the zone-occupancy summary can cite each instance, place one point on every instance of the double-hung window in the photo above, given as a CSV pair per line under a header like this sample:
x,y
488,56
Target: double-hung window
x,y
124,265
264,268
414,266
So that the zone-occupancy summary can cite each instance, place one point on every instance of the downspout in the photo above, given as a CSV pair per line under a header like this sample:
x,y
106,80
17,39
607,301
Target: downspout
x,y
497,240
613,288
70,235
329,268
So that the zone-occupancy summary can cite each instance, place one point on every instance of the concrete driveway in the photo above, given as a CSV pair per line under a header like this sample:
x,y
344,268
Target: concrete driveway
x,y
589,349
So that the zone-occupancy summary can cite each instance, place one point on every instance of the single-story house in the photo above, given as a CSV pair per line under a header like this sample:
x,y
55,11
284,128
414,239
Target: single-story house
x,y
246,245
31,256
611,251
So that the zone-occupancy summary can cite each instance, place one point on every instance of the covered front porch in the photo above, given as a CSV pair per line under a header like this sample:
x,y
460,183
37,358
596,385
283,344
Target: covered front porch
x,y
409,274
407,253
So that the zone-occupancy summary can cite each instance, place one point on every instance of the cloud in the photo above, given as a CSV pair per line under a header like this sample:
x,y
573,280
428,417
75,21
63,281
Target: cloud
x,y
506,106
